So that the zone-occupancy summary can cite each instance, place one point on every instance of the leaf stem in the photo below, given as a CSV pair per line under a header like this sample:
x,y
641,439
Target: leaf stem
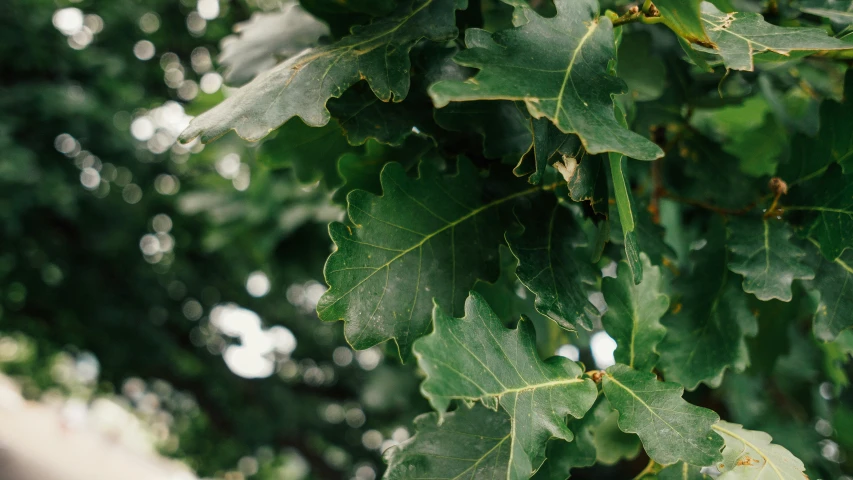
x,y
650,468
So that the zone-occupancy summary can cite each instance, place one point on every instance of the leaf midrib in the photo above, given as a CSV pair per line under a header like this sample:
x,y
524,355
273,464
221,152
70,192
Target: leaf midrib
x,y
746,442
427,237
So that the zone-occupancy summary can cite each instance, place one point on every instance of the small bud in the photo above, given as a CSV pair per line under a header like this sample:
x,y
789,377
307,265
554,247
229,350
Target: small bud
x,y
653,11
778,186
633,9
596,376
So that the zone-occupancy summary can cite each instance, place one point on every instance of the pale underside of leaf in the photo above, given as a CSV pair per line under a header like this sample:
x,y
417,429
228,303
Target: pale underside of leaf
x,y
301,86
749,455
740,36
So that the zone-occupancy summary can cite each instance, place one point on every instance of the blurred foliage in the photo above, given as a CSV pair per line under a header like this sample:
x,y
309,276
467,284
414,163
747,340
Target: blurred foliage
x,y
123,251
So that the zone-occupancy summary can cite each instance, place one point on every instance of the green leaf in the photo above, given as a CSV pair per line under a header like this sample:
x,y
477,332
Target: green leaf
x,y
426,238
641,69
377,53
810,157
763,253
624,200
361,171
559,67
706,329
587,180
313,153
739,36
504,126
670,428
834,281
633,314
612,445
831,208
467,443
840,17
363,116
684,18
563,456
681,471
748,454
554,263
500,366
266,39
548,140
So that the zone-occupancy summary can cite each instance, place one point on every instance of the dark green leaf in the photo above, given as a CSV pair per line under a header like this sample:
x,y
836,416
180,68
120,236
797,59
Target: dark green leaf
x,y
554,263
467,443
548,140
705,330
426,238
633,314
762,251
504,126
670,428
500,366
575,95
377,53
624,205
313,153
361,171
834,281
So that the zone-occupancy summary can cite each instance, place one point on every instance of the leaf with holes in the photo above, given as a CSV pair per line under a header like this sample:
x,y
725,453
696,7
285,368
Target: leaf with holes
x,y
670,428
301,86
500,367
559,68
762,251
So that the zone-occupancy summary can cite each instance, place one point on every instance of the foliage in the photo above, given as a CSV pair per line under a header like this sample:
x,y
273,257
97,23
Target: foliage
x,y
505,183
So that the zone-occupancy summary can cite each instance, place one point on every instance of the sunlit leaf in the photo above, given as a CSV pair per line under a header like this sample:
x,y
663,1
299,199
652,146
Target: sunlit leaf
x,y
749,455
684,18
266,39
377,53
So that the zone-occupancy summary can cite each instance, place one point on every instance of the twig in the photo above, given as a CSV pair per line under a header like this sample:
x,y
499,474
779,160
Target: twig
x,y
707,206
650,468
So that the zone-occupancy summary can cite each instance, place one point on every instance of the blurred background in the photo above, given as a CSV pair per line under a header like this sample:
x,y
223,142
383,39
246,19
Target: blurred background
x,y
157,299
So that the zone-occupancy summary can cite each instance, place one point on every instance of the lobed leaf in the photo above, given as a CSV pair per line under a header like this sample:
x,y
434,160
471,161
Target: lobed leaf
x,y
500,366
559,68
670,428
740,36
749,455
301,86
554,264
425,238
470,442
834,282
633,314
763,253
684,18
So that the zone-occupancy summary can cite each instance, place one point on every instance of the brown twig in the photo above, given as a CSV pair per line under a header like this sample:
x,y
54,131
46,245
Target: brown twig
x,y
708,206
